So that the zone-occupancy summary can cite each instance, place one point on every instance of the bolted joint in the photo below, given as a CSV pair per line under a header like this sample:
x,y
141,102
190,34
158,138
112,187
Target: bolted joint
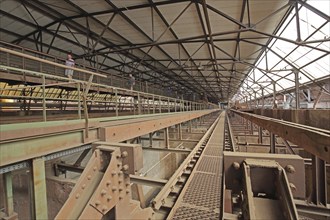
x,y
124,154
290,169
236,165
103,192
125,167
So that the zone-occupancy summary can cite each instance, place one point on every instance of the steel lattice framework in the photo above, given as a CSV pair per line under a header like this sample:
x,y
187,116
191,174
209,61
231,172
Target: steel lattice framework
x,y
194,47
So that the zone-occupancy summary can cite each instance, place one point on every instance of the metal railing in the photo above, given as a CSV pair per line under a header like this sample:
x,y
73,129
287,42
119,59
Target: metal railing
x,y
13,60
42,89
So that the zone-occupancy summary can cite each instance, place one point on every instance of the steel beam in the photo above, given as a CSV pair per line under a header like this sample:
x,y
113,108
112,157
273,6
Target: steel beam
x,y
147,181
123,131
25,141
169,150
313,140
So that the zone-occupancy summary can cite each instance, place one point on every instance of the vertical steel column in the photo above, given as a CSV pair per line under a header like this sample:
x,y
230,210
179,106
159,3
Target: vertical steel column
x,y
180,131
274,95
39,188
150,139
44,114
175,105
319,189
168,104
153,104
8,196
296,77
263,97
139,104
148,105
166,138
133,104
272,142
255,100
116,97
251,127
260,135
160,106
79,100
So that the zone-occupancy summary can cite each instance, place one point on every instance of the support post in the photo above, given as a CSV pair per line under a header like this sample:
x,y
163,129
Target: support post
x,y
180,131
296,74
251,127
189,126
272,143
8,196
139,104
150,139
166,138
133,102
274,95
319,189
79,100
116,97
160,105
175,103
44,113
260,135
39,189
153,104
263,97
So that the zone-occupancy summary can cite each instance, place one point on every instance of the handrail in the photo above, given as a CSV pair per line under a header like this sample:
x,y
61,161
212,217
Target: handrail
x,y
113,88
314,140
112,76
49,62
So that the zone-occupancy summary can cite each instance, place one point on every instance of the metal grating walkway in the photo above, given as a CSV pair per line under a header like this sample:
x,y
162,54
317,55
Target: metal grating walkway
x,y
201,196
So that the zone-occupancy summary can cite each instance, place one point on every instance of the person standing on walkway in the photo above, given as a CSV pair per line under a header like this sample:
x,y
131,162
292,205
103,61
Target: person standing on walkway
x,y
69,62
131,81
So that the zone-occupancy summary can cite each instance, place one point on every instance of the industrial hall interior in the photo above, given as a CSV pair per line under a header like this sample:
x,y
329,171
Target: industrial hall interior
x,y
165,109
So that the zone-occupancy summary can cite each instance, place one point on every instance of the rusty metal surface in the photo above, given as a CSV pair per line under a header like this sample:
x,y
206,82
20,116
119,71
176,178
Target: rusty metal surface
x,y
313,140
185,167
201,196
296,175
103,190
266,191
21,142
319,118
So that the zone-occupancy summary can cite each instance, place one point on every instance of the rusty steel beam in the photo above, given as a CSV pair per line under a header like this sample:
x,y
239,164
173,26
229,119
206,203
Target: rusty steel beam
x,y
125,131
168,150
147,181
159,200
103,190
314,140
20,142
